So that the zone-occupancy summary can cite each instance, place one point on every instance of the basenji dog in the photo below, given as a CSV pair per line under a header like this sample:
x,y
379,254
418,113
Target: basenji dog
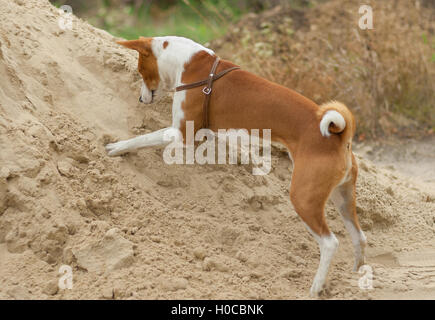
x,y
318,137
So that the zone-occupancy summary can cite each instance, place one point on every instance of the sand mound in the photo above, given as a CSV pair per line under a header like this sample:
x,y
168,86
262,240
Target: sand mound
x,y
134,227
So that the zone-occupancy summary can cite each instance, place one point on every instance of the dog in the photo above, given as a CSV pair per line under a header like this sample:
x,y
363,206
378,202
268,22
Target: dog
x,y
317,137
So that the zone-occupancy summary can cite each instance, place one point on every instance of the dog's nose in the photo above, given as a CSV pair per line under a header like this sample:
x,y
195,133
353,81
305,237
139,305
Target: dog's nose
x,y
140,99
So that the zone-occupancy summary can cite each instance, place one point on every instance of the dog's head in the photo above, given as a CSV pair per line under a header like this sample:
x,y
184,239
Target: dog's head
x,y
147,67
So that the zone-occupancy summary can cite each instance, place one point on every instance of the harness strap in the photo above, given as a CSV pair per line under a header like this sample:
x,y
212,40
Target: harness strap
x,y
208,88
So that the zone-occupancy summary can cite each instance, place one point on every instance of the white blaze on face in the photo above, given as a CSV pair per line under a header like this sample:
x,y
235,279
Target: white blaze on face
x,y
146,96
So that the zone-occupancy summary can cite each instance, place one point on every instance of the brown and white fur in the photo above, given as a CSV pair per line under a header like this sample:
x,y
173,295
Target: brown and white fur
x,y
319,138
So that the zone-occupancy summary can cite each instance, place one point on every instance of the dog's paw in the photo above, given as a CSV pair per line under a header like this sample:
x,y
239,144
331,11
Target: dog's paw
x,y
316,289
359,262
116,149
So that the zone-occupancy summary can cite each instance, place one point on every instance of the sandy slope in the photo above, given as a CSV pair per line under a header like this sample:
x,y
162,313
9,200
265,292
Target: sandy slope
x,y
134,227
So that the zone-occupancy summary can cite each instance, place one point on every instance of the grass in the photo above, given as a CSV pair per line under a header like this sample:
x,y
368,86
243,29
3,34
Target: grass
x,y
200,20
385,75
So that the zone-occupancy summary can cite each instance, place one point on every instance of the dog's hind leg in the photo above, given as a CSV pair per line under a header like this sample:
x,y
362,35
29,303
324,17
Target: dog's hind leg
x,y
343,197
309,192
159,137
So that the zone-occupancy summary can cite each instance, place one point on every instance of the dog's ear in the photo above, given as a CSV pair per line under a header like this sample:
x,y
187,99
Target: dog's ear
x,y
142,45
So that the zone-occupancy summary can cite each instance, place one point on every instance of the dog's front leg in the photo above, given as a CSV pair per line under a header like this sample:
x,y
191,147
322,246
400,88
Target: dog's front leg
x,y
159,137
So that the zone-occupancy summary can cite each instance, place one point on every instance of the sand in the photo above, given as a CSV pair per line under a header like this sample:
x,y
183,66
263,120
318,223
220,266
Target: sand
x,y
133,227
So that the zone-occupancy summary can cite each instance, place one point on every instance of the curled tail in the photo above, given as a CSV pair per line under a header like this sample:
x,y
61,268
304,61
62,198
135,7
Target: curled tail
x,y
336,118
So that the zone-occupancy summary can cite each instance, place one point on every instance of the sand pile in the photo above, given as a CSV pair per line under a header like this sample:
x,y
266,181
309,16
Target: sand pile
x,y
134,227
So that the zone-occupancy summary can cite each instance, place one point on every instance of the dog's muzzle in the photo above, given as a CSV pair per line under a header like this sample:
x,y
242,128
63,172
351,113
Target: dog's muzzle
x,y
153,93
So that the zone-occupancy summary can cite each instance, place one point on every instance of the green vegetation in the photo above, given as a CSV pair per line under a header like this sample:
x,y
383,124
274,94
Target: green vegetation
x,y
385,75
200,20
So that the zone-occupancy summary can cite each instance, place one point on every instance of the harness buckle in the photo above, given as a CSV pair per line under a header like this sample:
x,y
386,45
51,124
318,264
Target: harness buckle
x,y
206,90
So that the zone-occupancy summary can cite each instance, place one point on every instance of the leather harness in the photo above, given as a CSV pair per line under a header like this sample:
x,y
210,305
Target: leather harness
x,y
208,88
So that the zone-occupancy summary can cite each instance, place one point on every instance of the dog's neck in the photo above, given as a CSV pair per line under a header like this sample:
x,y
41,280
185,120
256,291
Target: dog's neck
x,y
173,58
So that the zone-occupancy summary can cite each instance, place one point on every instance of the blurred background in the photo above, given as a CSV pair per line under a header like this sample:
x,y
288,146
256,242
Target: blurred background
x,y
201,20
385,75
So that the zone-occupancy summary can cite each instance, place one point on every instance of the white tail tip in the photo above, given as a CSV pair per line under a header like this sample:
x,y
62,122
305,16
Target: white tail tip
x,y
329,117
